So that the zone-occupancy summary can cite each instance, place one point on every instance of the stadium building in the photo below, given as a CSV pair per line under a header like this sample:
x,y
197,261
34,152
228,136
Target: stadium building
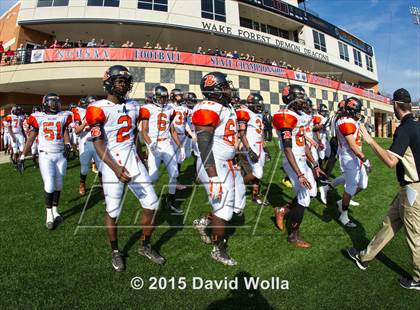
x,y
281,43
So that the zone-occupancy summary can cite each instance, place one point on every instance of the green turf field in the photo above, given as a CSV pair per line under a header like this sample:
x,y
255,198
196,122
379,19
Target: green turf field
x,y
70,267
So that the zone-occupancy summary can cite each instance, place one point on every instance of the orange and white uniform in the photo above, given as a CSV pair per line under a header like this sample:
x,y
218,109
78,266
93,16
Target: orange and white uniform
x,y
27,129
160,119
16,122
291,129
320,120
253,124
6,137
223,120
116,123
52,163
86,148
353,170
181,113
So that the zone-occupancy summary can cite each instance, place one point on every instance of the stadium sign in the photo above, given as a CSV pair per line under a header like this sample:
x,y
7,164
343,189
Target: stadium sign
x,y
162,56
266,39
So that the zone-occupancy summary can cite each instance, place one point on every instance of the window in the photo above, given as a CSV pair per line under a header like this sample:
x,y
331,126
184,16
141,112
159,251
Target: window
x,y
46,3
369,64
213,9
357,57
156,5
319,41
245,22
110,3
344,51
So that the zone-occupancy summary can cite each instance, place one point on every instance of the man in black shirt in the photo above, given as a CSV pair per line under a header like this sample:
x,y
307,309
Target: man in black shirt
x,y
404,153
268,127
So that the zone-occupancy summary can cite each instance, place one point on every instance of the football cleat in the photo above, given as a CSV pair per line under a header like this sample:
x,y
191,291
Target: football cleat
x,y
148,252
287,183
280,212
323,191
201,226
118,261
354,203
259,201
355,255
344,218
410,284
220,255
82,189
49,225
295,239
170,206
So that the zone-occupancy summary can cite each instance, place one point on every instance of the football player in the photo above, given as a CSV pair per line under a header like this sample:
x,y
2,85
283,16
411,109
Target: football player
x,y
290,124
179,122
251,133
86,149
16,132
215,125
26,127
50,126
6,138
113,122
353,163
320,132
159,134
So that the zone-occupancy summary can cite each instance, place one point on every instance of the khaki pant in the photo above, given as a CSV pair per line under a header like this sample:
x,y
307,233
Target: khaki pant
x,y
401,213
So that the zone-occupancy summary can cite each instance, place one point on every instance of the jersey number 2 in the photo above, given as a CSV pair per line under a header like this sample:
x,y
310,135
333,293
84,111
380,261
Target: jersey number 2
x,y
121,136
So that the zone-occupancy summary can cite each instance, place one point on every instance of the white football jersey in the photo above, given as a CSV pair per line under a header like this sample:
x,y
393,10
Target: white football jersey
x,y
318,119
16,121
119,122
287,119
254,124
180,118
347,126
160,119
6,127
223,119
50,129
309,125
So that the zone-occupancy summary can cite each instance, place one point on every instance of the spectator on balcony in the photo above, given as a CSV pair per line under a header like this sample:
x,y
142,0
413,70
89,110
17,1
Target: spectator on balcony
x,y
9,56
176,48
210,52
44,45
55,44
216,52
274,63
223,53
235,55
158,46
126,44
1,50
92,43
102,43
229,54
242,56
147,45
66,44
169,47
252,58
247,56
112,44
79,44
199,50
20,54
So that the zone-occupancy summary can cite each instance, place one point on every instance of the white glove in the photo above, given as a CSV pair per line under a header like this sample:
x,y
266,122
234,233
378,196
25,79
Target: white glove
x,y
152,147
216,189
181,154
22,157
367,165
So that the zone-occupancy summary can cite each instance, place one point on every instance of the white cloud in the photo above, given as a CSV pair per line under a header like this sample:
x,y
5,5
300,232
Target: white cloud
x,y
409,73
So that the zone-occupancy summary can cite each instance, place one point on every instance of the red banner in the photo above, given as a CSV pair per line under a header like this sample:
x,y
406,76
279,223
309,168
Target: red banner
x,y
149,55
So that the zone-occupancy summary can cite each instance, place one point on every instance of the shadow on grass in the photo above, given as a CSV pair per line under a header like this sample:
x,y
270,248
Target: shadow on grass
x,y
94,198
241,298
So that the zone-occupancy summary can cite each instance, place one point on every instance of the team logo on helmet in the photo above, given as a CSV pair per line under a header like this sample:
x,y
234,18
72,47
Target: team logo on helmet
x,y
209,81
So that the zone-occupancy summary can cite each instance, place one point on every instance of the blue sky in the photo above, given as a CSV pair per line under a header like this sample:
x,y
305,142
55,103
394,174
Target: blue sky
x,y
384,24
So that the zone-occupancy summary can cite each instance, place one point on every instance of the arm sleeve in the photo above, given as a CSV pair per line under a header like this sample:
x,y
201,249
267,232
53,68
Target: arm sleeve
x,y
401,143
95,115
144,113
285,123
33,123
347,128
205,117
